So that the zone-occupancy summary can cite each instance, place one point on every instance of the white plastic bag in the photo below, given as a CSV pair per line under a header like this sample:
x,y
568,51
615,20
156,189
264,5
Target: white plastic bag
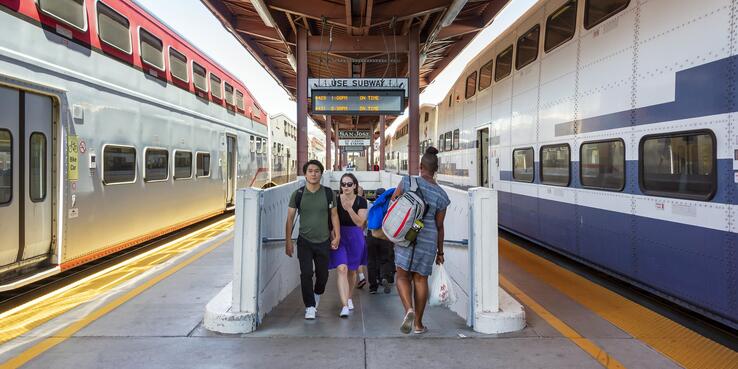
x,y
441,290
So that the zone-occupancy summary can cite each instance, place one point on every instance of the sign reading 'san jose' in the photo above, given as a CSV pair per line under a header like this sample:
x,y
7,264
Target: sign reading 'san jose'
x,y
361,134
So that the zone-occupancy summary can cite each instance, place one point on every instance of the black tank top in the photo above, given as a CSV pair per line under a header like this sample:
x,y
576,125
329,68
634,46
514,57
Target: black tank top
x,y
343,215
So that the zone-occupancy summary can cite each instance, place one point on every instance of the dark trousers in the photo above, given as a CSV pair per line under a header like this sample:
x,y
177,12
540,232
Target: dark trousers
x,y
309,253
381,263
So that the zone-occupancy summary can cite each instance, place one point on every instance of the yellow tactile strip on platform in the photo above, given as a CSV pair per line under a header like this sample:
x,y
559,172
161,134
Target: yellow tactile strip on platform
x,y
686,347
32,314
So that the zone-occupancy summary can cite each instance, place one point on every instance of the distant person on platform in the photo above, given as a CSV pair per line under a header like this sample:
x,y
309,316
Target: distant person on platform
x,y
317,208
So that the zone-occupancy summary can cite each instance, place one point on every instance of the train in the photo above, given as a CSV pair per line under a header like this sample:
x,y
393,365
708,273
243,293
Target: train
x,y
114,130
607,128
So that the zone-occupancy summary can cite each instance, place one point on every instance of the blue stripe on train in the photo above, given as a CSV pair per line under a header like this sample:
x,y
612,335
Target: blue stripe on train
x,y
704,90
688,262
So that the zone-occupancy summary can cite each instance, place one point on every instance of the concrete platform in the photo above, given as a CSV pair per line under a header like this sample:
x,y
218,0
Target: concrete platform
x,y
162,328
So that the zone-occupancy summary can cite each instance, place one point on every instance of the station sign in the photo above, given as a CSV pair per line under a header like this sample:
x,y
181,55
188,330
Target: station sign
x,y
371,84
359,134
357,102
354,142
353,148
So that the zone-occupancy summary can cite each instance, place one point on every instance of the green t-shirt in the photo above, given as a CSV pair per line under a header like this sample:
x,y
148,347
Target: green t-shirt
x,y
314,213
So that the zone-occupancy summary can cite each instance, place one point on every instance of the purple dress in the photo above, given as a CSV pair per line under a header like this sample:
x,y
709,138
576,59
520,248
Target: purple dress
x,y
352,248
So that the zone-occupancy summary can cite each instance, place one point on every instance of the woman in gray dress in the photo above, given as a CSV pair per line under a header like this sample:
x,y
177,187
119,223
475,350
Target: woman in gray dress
x,y
428,249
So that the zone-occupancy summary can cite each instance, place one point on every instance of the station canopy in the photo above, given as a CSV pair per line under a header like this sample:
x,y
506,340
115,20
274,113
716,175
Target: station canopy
x,y
354,38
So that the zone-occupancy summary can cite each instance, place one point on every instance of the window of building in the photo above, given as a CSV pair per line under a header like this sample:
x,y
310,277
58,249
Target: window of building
x,y
598,11
252,144
447,142
6,166
560,26
257,111
450,99
239,100
178,65
679,165
427,116
113,28
504,64
203,164
151,49
228,93
216,88
456,139
258,145
157,165
527,47
523,165
37,170
199,77
71,12
182,164
119,164
485,75
471,85
602,165
555,164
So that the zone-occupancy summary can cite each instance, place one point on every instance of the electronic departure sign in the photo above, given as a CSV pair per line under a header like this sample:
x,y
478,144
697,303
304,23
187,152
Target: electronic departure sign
x,y
358,102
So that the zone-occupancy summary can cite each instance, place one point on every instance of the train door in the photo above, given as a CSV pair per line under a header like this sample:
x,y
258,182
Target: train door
x,y
231,151
483,156
26,125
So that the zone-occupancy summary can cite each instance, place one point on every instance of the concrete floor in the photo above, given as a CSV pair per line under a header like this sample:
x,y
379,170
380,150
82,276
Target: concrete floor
x,y
162,328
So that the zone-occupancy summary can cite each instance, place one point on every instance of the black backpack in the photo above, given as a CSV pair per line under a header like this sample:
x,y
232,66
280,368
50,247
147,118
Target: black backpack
x,y
328,199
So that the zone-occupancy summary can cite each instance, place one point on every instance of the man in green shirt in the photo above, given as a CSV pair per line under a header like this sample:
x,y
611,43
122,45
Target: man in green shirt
x,y
317,207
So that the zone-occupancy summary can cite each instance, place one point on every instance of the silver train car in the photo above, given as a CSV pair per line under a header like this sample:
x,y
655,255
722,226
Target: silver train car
x,y
608,129
114,130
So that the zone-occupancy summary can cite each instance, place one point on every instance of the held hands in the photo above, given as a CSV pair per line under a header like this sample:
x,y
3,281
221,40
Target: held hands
x,y
288,249
334,243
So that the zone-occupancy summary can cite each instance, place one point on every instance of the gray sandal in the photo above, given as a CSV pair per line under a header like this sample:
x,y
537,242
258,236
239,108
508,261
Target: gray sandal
x,y
407,322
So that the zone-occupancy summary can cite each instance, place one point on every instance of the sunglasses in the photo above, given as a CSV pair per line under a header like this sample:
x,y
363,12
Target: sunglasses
x,y
347,184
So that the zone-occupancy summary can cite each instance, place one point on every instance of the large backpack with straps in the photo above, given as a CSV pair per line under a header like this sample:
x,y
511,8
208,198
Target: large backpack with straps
x,y
328,199
404,214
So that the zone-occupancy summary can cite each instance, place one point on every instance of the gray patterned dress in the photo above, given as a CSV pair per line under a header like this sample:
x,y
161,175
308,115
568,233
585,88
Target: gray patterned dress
x,y
425,249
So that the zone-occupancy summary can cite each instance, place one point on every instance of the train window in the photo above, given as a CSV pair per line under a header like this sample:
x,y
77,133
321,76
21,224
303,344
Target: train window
x,y
37,170
151,49
119,164
504,64
523,165
456,139
447,142
555,164
157,165
679,165
239,100
178,65
6,166
199,77
602,165
71,12
203,164
113,28
471,85
598,11
485,76
216,88
228,93
527,47
560,26
182,164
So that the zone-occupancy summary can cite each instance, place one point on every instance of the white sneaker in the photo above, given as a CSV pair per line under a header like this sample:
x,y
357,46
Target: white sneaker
x,y
310,313
344,312
317,300
350,304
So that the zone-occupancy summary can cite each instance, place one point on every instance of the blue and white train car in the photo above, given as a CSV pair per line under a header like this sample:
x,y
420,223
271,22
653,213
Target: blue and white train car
x,y
608,128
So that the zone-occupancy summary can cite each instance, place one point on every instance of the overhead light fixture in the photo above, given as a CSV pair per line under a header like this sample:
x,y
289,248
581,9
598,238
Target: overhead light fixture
x,y
263,11
293,62
451,13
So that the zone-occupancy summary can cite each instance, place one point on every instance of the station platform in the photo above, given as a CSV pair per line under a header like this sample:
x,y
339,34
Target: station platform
x,y
156,321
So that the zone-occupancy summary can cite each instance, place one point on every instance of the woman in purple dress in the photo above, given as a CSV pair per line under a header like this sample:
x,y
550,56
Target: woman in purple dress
x,y
350,254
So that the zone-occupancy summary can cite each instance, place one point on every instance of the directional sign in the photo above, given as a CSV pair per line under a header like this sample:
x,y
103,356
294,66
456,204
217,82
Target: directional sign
x,y
347,142
357,84
357,102
363,134
353,148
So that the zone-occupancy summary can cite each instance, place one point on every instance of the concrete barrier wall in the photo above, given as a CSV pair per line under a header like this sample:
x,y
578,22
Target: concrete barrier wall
x,y
278,274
